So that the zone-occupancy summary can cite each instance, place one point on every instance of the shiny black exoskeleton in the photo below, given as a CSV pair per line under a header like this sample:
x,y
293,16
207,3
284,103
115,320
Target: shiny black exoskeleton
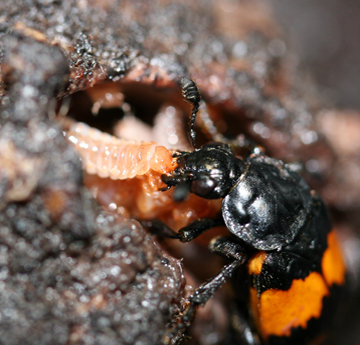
x,y
281,230
265,202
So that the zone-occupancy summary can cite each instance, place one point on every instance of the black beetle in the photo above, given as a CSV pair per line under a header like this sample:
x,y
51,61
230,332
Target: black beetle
x,y
280,229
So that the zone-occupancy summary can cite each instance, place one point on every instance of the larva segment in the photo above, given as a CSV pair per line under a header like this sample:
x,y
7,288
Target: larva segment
x,y
107,156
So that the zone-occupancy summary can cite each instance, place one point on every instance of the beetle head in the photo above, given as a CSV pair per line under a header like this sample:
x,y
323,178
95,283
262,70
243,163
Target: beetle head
x,y
209,172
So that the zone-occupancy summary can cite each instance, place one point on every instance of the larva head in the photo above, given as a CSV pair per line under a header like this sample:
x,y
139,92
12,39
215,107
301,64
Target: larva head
x,y
209,172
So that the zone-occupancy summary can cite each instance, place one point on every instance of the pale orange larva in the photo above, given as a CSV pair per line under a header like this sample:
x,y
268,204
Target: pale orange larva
x,y
126,176
110,157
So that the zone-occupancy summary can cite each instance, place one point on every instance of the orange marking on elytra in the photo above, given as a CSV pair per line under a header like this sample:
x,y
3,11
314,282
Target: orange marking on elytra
x,y
256,263
333,265
276,311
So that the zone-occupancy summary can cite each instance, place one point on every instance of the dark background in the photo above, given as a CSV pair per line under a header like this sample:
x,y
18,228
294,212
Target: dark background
x,y
326,36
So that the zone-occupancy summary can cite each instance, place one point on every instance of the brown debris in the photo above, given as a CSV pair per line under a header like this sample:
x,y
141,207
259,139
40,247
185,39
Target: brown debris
x,y
70,273
22,179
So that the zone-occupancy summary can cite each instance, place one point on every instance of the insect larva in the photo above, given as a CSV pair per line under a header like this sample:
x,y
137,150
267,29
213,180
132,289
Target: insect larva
x,y
168,128
107,156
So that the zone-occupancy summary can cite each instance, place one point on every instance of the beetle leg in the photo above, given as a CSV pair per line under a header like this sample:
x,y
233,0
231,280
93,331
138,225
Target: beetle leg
x,y
233,250
205,291
227,248
197,227
185,234
243,332
159,228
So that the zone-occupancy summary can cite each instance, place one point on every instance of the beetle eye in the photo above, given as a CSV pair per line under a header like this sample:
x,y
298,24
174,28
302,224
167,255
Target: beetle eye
x,y
203,187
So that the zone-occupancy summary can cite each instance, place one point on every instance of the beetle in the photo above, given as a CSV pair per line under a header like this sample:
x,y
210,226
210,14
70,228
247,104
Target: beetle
x,y
281,235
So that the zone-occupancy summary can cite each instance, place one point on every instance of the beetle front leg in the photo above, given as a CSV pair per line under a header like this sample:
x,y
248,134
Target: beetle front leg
x,y
197,227
185,234
227,248
159,228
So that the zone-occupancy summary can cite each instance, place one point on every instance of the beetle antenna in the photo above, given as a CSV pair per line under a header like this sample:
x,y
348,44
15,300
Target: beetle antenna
x,y
191,95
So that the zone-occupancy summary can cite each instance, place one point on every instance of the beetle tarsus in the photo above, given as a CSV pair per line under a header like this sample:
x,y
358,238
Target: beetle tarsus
x,y
159,228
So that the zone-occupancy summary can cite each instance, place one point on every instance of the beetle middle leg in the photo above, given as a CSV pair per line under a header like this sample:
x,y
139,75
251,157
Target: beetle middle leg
x,y
185,234
227,248
240,323
239,254
204,292
230,249
223,246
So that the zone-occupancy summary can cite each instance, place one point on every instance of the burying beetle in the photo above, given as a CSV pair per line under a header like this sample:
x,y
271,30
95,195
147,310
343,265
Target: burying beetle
x,y
281,232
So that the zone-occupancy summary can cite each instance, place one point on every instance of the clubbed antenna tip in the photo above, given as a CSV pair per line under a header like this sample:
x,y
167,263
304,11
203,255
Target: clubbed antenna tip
x,y
191,95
